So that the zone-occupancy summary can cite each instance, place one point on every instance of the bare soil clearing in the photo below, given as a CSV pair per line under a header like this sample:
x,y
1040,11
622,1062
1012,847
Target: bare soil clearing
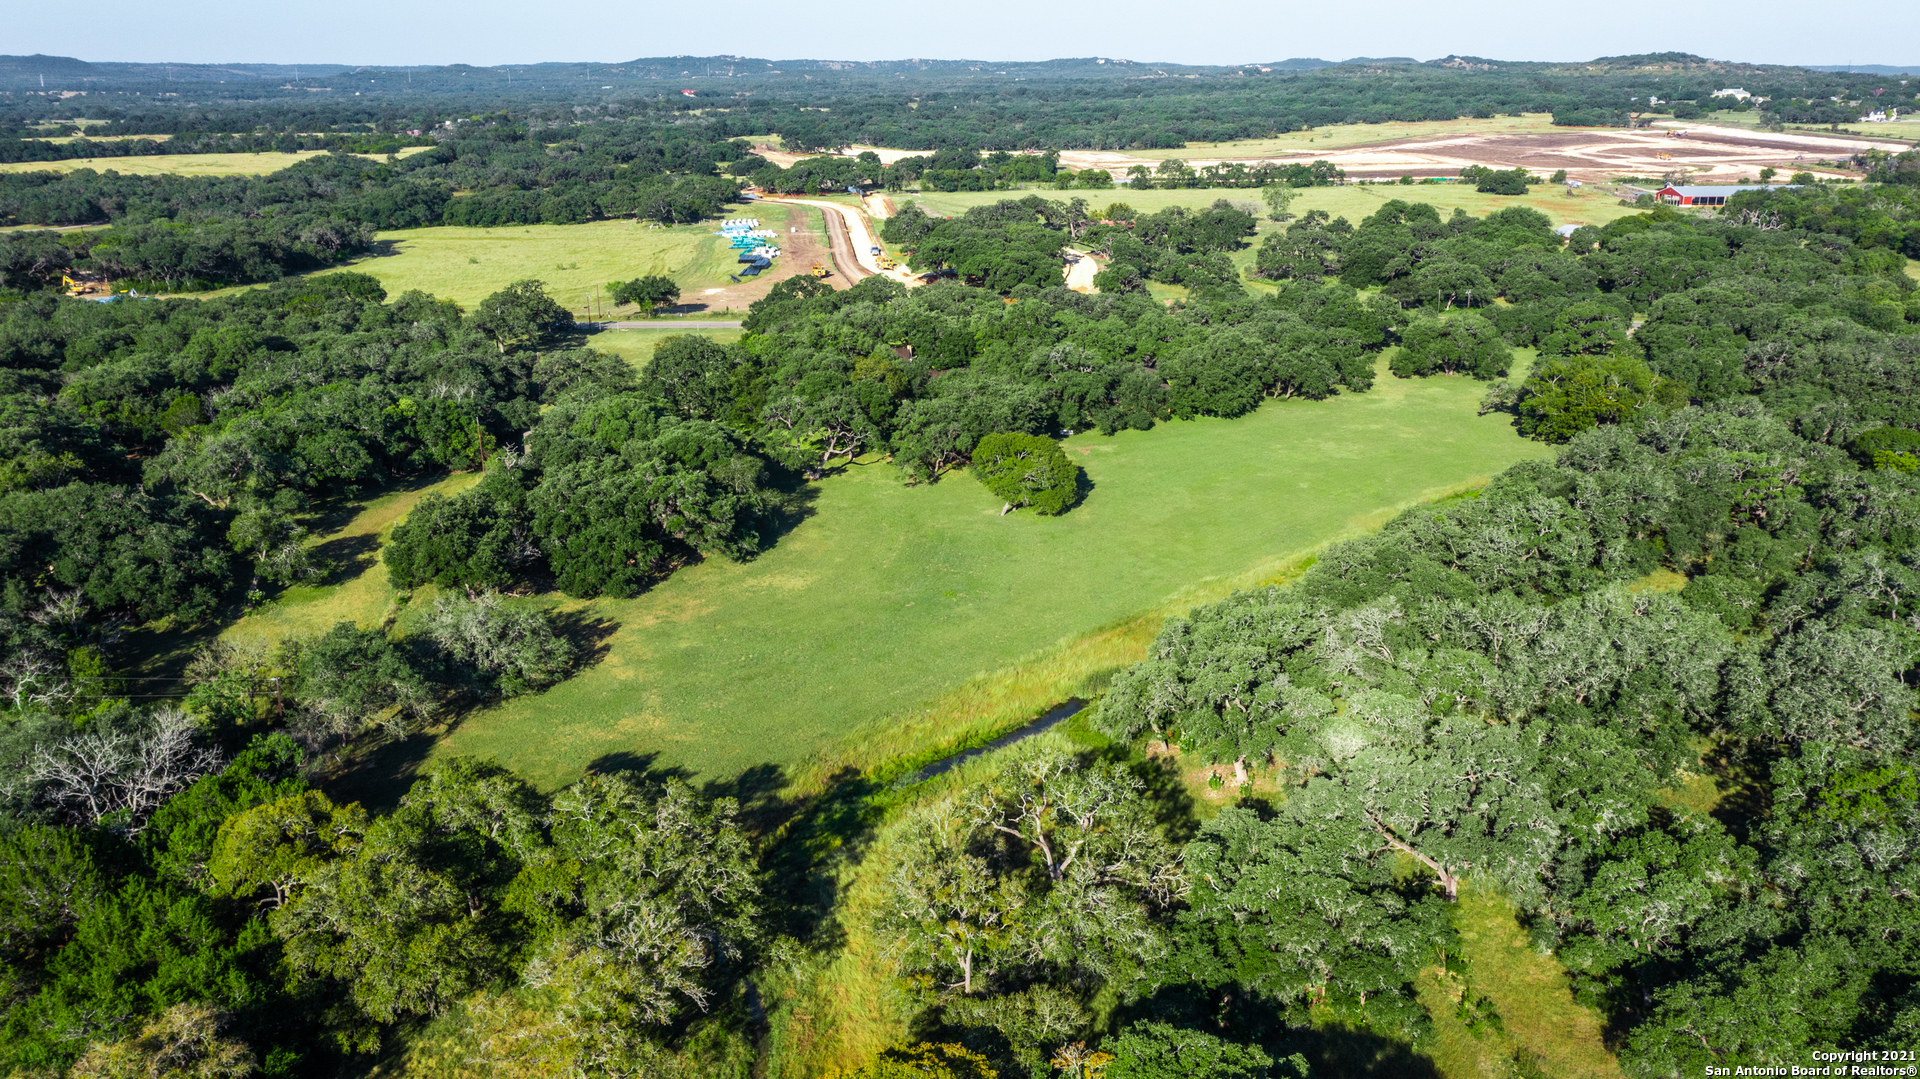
x,y
1080,273
1713,153
853,242
802,243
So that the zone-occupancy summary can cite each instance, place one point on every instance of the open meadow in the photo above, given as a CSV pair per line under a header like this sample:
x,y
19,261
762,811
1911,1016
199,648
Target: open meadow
x,y
253,164
636,346
576,261
1899,129
1334,137
173,164
894,617
1352,201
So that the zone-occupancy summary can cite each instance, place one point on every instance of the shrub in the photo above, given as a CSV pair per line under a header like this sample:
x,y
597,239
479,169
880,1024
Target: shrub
x,y
1887,447
1464,344
1567,395
1027,470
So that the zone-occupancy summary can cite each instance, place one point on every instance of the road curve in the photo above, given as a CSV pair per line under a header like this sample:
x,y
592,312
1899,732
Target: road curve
x,y
847,232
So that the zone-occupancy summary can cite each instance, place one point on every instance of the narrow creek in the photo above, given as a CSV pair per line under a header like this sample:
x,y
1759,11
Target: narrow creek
x,y
1053,717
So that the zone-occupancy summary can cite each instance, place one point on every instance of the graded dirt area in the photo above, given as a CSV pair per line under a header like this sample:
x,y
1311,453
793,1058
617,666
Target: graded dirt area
x,y
801,246
853,237
1708,152
1711,153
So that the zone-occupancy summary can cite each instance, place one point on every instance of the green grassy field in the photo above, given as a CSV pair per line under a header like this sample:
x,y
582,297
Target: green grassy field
x,y
362,595
892,609
1540,1023
1341,136
1902,129
62,140
636,346
172,164
1352,201
258,164
576,261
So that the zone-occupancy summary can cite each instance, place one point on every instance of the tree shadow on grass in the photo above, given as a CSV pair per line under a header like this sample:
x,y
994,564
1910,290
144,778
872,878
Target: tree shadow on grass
x,y
343,558
1173,806
811,843
643,768
378,775
334,514
798,500
1082,487
1231,1013
588,633
1746,789
758,790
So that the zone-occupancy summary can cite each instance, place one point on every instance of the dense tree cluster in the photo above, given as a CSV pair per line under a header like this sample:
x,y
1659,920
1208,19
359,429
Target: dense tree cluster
x,y
1519,690
1484,694
1877,216
1249,103
178,232
82,149
1173,173
1783,302
920,104
251,925
157,448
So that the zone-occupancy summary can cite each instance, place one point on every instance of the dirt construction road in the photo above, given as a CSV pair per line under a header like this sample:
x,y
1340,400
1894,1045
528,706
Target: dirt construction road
x,y
852,243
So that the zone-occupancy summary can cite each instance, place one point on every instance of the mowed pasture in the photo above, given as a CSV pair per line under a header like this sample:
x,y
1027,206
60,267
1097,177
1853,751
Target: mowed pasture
x,y
173,164
1352,201
891,618
1899,129
576,261
637,346
1334,137
249,164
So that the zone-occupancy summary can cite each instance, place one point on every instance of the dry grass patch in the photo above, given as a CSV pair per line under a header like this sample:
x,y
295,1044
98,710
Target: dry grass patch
x,y
355,588
258,164
1510,1011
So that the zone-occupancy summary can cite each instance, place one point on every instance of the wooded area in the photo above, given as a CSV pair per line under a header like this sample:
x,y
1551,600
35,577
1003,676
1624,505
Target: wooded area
x,y
1656,693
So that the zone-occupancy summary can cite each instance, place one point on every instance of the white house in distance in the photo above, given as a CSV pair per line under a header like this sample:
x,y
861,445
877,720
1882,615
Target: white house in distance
x,y
1733,92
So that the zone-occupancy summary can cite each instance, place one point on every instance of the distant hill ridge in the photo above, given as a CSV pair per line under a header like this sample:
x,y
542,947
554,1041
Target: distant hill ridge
x,y
70,73
1870,69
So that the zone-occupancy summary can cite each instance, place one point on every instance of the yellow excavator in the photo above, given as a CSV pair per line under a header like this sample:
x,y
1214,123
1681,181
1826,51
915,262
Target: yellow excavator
x,y
818,270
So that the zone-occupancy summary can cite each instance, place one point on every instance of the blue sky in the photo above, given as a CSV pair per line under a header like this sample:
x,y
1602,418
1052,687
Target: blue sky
x,y
1179,31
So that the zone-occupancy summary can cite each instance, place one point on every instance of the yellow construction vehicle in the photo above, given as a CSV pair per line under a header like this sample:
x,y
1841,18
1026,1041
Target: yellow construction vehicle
x,y
74,288
887,263
818,270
